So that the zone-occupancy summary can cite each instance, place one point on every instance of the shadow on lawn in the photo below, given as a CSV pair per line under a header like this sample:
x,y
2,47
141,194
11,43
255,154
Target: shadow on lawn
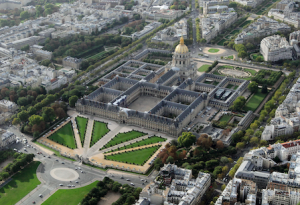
x,y
24,175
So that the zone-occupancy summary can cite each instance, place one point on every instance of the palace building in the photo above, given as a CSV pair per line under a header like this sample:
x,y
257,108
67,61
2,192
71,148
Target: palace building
x,y
161,98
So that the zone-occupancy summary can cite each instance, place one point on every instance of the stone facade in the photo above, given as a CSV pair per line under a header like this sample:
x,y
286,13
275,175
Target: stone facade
x,y
181,96
275,48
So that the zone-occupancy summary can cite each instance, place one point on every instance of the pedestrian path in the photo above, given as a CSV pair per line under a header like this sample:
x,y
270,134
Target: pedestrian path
x,y
98,145
76,134
124,144
88,135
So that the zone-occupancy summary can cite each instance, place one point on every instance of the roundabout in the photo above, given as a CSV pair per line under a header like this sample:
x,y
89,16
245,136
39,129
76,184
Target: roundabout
x,y
214,51
64,174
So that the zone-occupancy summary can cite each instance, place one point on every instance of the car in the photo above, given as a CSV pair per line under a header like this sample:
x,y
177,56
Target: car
x,y
132,184
75,168
127,179
49,157
62,162
81,171
69,185
142,179
25,149
122,177
79,168
56,160
28,145
15,150
73,185
40,195
76,182
60,184
33,202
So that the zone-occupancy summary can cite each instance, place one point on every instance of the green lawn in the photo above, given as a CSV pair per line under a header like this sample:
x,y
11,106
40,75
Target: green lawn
x,y
215,83
203,68
69,196
221,43
229,86
260,12
235,87
23,183
235,31
123,137
228,36
253,72
255,101
226,66
81,125
138,157
213,50
245,23
225,118
230,57
64,136
148,141
99,130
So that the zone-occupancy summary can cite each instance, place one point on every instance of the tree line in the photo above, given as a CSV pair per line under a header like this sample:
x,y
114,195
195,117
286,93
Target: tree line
x,y
128,197
267,77
20,160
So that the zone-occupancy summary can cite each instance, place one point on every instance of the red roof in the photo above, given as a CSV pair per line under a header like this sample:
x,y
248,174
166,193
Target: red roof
x,y
53,80
291,144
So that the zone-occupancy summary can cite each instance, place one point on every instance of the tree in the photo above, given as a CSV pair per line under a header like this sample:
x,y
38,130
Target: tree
x,y
254,140
73,100
24,15
224,185
16,121
48,114
253,87
25,48
46,62
225,169
224,160
22,101
239,103
170,160
264,89
219,144
254,125
23,115
250,46
60,113
187,139
242,54
35,120
240,145
263,143
31,110
174,142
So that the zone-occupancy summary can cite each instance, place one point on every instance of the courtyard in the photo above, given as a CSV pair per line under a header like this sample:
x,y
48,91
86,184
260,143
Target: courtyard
x,y
144,103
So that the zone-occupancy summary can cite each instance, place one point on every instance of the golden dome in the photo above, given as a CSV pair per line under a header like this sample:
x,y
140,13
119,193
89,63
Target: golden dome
x,y
181,47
